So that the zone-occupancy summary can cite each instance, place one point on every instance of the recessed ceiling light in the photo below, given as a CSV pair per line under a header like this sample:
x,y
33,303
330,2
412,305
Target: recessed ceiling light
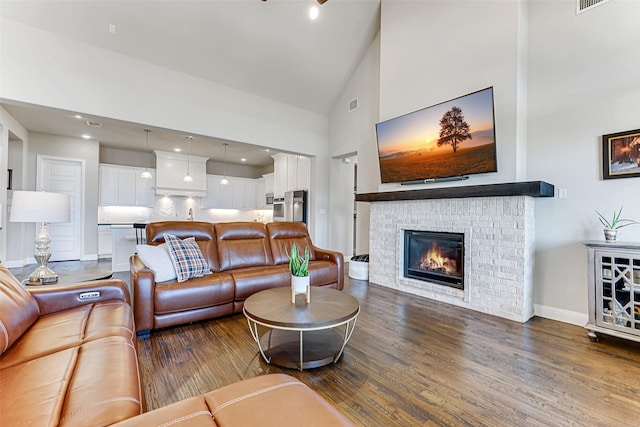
x,y
78,116
177,150
267,150
85,136
243,159
313,12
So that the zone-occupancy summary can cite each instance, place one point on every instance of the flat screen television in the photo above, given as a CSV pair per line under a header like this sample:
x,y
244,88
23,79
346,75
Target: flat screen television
x,y
449,140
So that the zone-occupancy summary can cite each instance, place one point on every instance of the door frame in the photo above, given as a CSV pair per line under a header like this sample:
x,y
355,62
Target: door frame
x,y
40,160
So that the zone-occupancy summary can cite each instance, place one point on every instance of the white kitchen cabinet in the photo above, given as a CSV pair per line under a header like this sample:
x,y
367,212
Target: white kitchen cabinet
x,y
145,192
291,172
240,193
260,200
280,170
171,169
122,186
303,173
268,183
244,193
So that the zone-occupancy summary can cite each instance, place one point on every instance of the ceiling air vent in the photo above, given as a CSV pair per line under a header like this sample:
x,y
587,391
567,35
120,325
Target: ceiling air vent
x,y
353,105
94,124
584,5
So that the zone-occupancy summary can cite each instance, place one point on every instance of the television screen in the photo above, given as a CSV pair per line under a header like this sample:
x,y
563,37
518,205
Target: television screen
x,y
451,139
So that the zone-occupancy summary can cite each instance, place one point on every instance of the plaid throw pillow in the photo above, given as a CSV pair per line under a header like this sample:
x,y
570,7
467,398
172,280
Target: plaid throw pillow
x,y
186,257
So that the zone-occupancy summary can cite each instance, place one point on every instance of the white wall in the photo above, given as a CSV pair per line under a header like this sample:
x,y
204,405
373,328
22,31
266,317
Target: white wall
x,y
584,82
70,148
9,125
46,69
354,132
434,51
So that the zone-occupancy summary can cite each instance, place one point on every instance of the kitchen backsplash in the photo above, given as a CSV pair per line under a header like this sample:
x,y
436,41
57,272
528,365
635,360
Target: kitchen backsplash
x,y
177,208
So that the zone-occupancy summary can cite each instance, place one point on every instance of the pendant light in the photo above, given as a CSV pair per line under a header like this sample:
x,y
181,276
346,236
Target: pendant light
x,y
225,181
145,173
187,177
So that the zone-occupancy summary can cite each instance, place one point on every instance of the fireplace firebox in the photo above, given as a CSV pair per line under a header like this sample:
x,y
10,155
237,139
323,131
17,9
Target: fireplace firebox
x,y
434,257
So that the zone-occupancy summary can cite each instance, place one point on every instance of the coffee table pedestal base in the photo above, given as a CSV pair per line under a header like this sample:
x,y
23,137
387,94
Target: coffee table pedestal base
x,y
301,349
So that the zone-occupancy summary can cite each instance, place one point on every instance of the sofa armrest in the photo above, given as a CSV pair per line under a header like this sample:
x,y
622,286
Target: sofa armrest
x,y
143,283
335,257
53,298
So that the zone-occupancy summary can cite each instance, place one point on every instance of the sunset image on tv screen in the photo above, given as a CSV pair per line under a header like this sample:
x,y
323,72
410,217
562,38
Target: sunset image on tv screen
x,y
453,138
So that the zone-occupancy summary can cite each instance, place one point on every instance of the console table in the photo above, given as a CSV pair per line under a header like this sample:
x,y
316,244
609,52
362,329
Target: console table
x,y
614,289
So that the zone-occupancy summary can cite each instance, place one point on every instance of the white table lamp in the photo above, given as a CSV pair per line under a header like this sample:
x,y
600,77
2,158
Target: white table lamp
x,y
41,207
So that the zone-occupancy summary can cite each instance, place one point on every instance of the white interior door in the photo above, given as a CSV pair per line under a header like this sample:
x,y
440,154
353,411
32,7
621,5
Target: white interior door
x,y
66,176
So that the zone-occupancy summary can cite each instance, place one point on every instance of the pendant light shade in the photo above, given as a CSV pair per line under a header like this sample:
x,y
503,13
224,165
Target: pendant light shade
x,y
145,173
225,181
188,177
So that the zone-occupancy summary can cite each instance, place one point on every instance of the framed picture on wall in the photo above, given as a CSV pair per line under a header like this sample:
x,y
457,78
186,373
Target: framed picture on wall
x,y
621,155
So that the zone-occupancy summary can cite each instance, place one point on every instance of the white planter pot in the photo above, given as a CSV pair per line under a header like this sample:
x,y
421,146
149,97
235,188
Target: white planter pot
x,y
300,285
611,235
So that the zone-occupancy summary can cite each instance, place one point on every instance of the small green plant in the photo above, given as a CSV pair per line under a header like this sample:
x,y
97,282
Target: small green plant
x,y
298,265
615,222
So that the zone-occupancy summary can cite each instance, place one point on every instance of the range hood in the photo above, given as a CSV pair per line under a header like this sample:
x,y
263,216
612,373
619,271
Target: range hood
x,y
171,169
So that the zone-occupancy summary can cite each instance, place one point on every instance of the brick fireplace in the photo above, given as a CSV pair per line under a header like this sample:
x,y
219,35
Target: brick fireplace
x,y
499,241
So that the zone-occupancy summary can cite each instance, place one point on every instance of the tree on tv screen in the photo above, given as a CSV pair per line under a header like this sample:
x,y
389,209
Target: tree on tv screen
x,y
453,128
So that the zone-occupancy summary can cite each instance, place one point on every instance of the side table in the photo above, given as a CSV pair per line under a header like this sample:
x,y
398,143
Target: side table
x,y
614,289
67,277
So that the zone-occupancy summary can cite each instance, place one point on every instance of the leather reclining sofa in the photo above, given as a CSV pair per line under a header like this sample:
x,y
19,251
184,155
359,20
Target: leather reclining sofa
x,y
69,359
244,258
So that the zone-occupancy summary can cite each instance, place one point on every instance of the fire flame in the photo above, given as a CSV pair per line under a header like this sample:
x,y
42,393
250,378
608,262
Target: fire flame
x,y
434,260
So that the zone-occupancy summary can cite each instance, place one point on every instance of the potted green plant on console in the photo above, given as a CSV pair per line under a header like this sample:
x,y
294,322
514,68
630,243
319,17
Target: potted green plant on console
x,y
612,228
299,267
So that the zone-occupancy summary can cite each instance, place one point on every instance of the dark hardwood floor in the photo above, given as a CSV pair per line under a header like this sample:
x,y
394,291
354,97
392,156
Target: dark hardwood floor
x,y
417,362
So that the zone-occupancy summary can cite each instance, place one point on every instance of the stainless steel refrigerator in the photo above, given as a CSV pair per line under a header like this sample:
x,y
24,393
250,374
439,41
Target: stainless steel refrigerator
x,y
295,206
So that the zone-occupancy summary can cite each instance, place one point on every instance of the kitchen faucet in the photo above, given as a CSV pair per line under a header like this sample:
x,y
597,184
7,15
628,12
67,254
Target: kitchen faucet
x,y
190,214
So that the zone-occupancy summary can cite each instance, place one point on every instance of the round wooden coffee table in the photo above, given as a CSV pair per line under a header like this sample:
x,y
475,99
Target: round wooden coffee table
x,y
301,335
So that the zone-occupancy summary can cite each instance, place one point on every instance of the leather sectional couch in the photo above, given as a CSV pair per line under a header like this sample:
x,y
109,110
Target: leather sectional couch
x,y
69,359
244,258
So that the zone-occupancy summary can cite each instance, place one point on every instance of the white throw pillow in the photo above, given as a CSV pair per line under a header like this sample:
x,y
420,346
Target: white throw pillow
x,y
157,259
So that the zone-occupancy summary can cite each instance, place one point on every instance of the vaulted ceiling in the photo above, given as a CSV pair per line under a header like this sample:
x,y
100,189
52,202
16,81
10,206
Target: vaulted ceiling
x,y
271,49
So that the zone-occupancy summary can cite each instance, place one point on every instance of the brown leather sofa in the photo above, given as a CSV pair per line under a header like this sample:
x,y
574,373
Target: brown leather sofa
x,y
70,360
244,258
67,359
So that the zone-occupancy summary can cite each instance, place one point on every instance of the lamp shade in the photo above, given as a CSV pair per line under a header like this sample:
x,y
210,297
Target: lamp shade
x,y
40,206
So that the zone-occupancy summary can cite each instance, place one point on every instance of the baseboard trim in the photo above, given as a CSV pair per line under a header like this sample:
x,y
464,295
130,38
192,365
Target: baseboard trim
x,y
561,315
89,257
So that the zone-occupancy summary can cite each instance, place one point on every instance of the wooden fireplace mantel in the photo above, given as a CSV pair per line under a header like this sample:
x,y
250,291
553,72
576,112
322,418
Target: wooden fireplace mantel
x,y
528,188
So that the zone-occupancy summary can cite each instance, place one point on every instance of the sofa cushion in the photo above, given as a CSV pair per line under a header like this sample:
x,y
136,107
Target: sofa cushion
x,y
242,244
191,412
156,258
71,328
250,280
287,401
19,310
105,387
207,291
36,389
186,257
97,381
283,235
